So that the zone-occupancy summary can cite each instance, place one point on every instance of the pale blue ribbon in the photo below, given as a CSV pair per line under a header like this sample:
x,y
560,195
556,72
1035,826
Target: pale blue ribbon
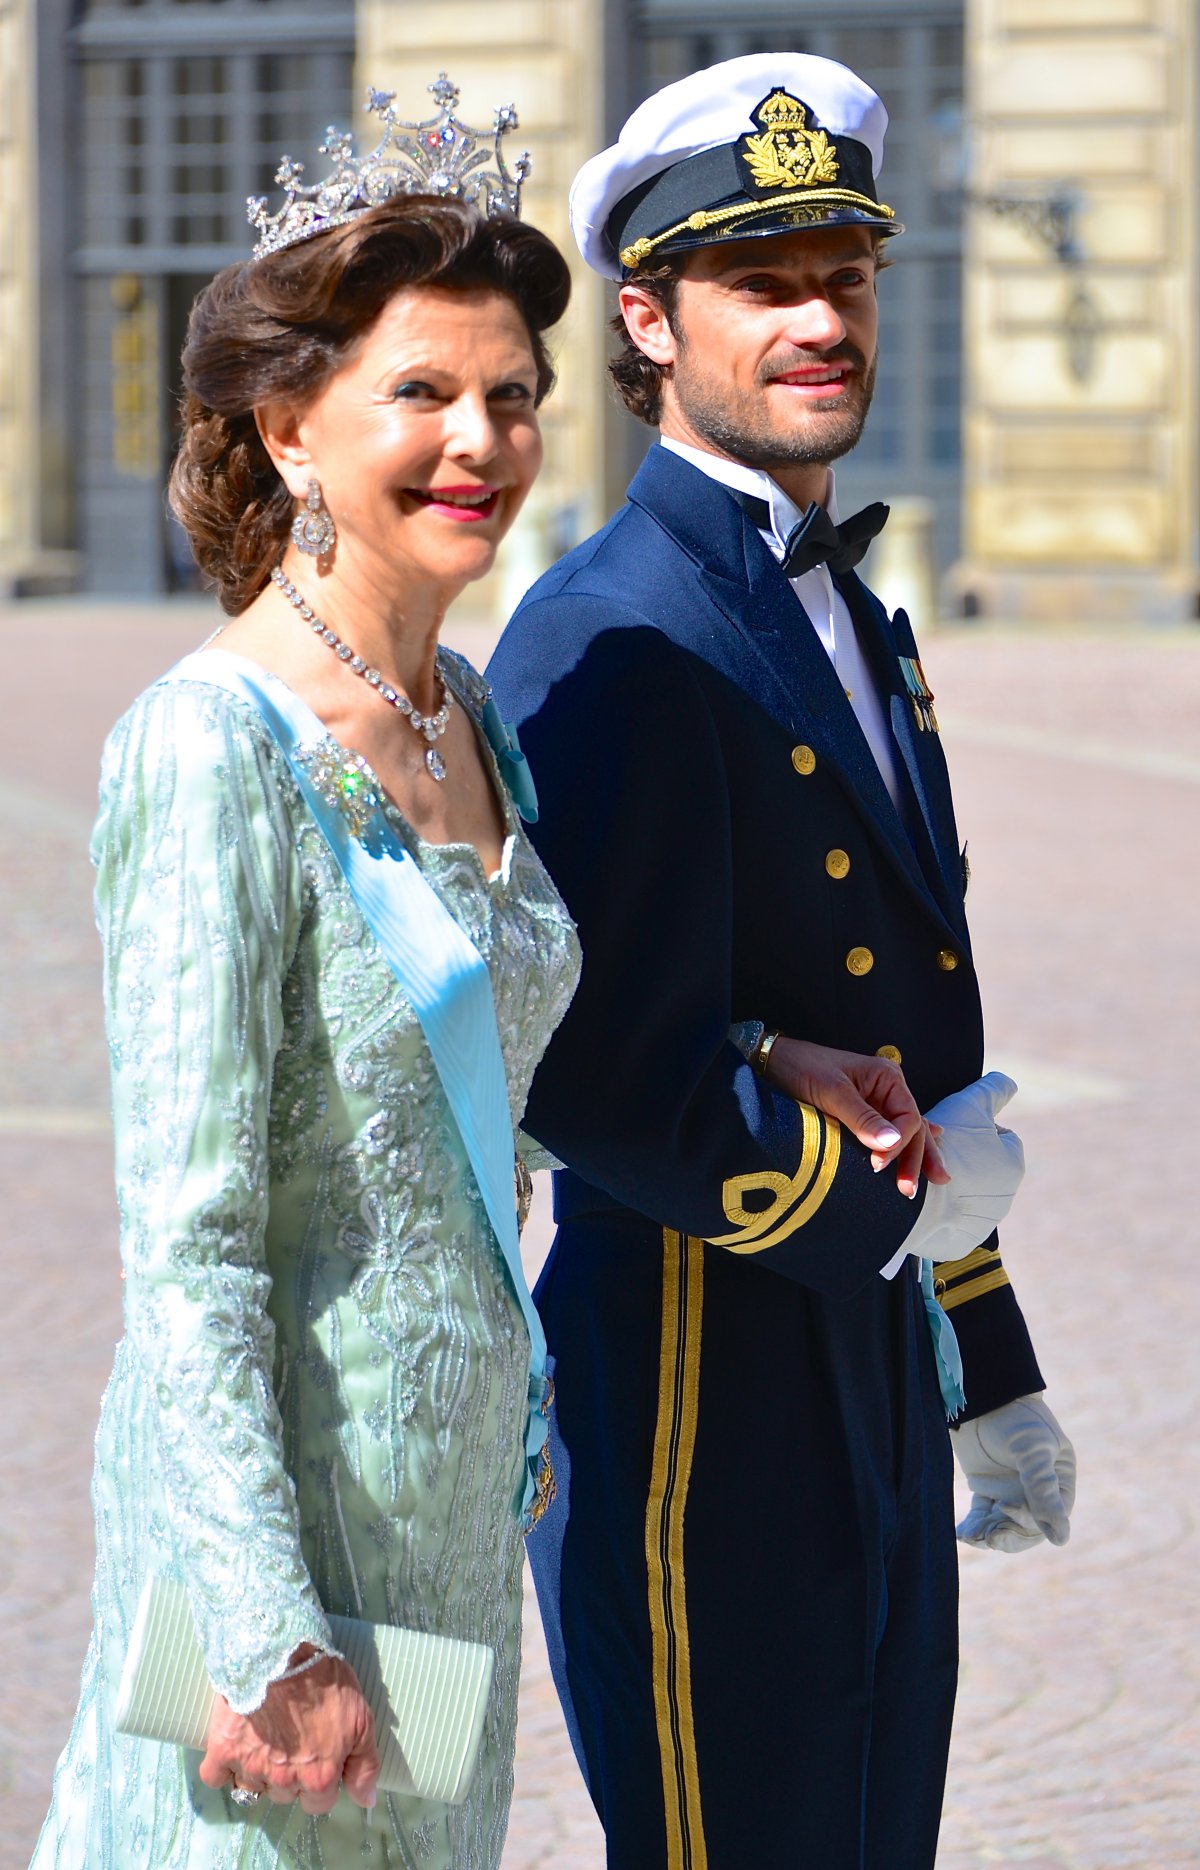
x,y
514,767
444,977
945,1347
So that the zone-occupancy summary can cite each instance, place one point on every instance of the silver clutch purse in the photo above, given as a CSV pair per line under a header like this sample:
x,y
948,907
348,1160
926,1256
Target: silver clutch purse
x,y
427,1693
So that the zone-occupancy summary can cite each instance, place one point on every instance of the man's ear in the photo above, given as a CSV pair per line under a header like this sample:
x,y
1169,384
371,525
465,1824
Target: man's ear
x,y
648,325
278,425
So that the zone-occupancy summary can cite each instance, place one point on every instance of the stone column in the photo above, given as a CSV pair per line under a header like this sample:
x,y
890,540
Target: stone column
x,y
1081,413
39,411
18,293
546,57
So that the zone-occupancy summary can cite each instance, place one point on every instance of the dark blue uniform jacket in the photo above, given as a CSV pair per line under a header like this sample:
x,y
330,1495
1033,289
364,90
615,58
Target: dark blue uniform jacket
x,y
719,828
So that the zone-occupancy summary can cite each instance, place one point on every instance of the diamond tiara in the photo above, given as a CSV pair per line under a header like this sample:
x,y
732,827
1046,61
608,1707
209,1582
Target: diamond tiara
x,y
439,156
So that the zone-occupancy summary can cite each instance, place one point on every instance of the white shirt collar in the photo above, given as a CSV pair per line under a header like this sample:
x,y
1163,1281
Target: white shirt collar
x,y
784,511
823,604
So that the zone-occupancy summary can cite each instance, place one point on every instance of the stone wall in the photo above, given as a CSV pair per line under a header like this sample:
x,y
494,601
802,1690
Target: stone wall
x,y
1081,417
545,56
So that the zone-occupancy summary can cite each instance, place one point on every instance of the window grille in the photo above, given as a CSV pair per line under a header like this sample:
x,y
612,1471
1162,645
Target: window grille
x,y
185,107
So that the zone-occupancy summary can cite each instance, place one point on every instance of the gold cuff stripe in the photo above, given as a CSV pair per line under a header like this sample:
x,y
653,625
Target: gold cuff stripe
x,y
973,1262
674,1445
974,1289
640,250
795,1198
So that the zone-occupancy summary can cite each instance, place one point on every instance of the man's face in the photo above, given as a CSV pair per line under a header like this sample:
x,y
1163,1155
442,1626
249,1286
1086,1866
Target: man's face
x,y
774,344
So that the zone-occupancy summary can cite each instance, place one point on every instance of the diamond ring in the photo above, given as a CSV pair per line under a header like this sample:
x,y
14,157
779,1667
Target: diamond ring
x,y
242,1795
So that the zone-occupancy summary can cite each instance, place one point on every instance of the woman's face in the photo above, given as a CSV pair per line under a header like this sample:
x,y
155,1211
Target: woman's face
x,y
426,441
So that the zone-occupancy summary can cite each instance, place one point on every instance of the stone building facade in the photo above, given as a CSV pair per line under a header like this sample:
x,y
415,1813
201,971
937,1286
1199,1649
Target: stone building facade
x,y
1082,448
546,56
1039,387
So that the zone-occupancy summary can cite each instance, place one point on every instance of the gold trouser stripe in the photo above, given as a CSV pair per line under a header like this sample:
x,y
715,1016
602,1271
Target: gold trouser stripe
x,y
674,1445
973,1289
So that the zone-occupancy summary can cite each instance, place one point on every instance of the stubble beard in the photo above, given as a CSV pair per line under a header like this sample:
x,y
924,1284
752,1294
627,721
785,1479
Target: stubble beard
x,y
738,425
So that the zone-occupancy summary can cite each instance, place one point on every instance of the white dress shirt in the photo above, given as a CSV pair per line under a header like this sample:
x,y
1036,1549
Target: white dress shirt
x,y
819,595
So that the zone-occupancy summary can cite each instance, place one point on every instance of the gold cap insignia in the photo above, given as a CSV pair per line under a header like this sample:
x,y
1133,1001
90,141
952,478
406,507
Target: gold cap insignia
x,y
787,154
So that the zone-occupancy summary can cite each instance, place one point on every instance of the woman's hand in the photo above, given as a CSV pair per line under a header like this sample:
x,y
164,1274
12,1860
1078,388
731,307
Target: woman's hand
x,y
312,1735
868,1095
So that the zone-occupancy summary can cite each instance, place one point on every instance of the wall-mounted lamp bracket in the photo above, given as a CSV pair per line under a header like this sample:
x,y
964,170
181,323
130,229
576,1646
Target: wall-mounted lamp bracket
x,y
1048,214
1050,217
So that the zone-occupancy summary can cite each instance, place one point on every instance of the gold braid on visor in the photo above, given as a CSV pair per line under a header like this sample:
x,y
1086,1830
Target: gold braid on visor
x,y
633,255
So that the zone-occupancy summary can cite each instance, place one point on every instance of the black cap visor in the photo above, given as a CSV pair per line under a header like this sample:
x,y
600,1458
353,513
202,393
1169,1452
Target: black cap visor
x,y
706,198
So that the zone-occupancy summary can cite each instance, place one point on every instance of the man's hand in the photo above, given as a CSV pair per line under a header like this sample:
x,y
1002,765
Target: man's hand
x,y
1021,1471
868,1095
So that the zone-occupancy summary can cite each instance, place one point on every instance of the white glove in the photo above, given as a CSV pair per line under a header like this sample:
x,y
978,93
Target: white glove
x,y
1021,1471
985,1166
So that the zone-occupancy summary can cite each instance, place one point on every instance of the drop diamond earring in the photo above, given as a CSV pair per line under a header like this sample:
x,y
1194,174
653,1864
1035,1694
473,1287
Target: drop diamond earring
x,y
313,530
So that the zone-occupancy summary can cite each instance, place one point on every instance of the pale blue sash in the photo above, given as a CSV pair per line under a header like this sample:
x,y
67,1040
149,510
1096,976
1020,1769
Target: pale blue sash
x,y
444,978
945,1347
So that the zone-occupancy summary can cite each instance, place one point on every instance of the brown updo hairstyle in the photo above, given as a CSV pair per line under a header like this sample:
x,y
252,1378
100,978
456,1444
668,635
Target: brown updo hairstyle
x,y
277,329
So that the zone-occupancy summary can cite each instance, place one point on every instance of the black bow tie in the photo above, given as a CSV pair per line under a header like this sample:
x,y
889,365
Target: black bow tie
x,y
814,539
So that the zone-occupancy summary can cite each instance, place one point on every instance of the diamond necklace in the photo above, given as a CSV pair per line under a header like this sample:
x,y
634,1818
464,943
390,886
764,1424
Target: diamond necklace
x,y
430,726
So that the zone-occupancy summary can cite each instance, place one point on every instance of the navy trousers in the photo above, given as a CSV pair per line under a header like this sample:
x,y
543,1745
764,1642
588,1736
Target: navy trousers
x,y
749,1584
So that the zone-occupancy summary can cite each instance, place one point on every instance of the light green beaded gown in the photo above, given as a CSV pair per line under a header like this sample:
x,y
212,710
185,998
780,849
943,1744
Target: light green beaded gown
x,y
321,1393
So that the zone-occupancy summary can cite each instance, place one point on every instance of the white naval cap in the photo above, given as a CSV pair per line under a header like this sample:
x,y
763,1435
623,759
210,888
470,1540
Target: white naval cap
x,y
758,145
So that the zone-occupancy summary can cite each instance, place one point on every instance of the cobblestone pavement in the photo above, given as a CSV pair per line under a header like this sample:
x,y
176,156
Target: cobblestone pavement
x,y
1077,767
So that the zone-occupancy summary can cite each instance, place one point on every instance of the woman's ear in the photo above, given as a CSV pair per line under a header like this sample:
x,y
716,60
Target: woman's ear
x,y
278,425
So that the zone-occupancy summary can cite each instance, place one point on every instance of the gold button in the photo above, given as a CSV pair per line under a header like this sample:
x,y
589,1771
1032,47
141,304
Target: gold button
x,y
947,960
849,694
890,1052
803,759
860,960
837,863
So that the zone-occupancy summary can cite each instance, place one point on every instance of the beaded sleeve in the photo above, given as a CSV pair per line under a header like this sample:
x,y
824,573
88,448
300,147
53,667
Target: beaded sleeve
x,y
198,903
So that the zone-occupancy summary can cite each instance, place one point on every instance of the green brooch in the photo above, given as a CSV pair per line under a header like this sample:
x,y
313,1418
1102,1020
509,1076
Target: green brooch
x,y
345,780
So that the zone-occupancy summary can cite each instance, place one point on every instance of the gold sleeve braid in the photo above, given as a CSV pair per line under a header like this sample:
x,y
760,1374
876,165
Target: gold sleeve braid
x,y
793,1199
957,1281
